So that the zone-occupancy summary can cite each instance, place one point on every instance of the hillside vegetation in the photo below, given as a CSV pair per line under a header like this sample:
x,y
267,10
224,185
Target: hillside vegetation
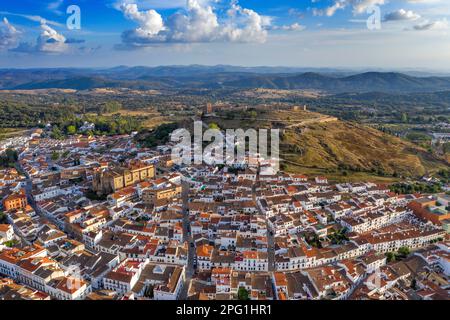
x,y
201,77
347,147
314,143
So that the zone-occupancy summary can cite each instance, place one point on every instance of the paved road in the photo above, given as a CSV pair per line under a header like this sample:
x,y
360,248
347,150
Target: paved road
x,y
187,237
270,238
271,250
28,189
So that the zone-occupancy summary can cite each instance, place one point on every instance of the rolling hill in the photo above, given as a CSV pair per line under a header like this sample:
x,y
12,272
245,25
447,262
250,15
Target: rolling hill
x,y
228,77
312,142
94,82
349,147
365,82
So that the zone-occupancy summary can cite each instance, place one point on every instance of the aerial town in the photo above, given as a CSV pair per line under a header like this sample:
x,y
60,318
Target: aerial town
x,y
102,218
224,158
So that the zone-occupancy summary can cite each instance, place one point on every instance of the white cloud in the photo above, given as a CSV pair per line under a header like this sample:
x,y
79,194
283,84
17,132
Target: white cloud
x,y
245,25
401,15
151,4
424,1
8,35
198,22
50,40
291,27
294,27
150,22
54,6
433,25
34,18
359,6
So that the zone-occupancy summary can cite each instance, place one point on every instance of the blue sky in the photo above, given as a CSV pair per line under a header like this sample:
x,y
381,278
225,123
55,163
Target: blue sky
x,y
304,33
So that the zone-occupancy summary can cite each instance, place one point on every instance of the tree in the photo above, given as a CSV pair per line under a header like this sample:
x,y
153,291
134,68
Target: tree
x,y
243,294
158,136
229,115
9,158
403,252
214,126
253,114
404,118
11,154
109,107
71,129
414,284
55,156
390,256
56,133
11,243
3,218
149,292
338,237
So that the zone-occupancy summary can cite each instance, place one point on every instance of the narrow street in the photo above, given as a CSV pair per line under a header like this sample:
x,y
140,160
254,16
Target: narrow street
x,y
270,237
187,237
271,250
28,189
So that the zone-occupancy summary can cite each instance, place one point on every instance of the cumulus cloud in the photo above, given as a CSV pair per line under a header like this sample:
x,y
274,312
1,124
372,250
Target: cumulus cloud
x,y
245,25
49,41
197,22
359,6
401,15
9,35
150,23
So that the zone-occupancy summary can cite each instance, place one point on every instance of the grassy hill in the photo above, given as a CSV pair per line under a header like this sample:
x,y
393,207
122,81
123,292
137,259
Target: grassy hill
x,y
343,147
317,144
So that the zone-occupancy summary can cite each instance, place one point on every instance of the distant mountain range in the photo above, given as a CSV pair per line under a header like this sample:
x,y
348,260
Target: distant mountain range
x,y
364,82
217,77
